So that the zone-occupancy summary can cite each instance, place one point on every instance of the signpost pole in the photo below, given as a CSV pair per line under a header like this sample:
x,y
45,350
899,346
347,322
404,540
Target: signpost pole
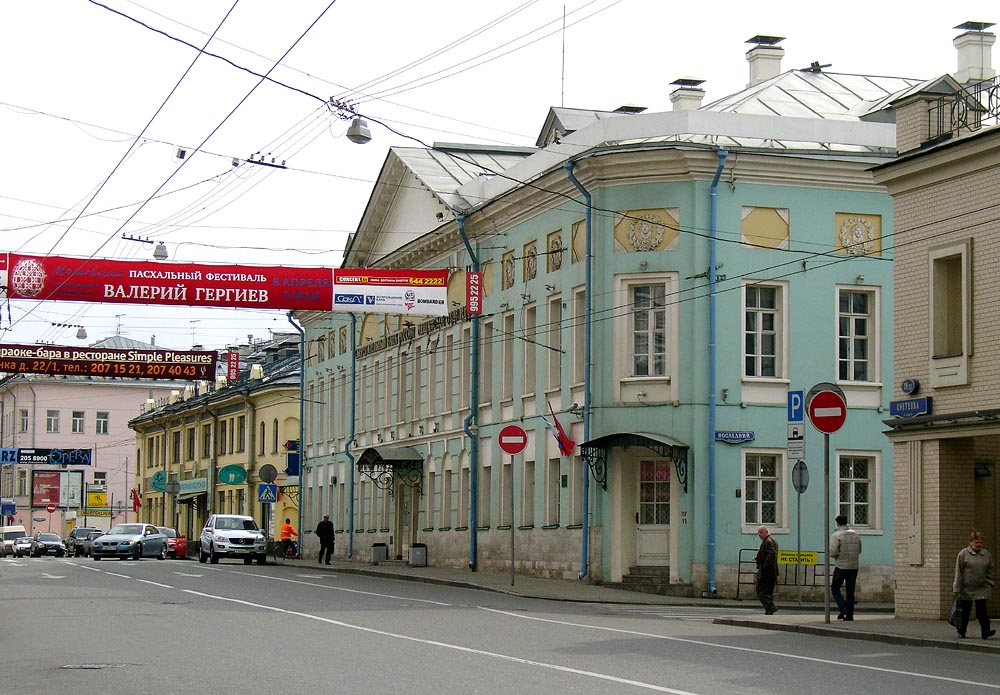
x,y
826,526
798,545
512,520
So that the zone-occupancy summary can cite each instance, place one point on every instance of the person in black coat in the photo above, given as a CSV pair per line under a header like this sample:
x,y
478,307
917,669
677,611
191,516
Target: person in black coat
x,y
767,569
324,531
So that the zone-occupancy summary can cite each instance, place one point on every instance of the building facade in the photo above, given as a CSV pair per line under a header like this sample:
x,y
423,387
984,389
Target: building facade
x,y
56,412
653,283
945,432
208,449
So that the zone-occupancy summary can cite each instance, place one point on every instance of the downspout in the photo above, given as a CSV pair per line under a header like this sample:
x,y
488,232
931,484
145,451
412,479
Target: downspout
x,y
302,440
587,294
353,435
251,446
471,429
712,363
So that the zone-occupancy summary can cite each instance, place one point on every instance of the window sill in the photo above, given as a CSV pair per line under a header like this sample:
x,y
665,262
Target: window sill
x,y
444,528
504,527
573,526
482,528
428,529
461,528
526,527
549,526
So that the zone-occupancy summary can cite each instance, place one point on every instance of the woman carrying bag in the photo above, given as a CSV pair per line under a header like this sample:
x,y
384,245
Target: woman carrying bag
x,y
974,581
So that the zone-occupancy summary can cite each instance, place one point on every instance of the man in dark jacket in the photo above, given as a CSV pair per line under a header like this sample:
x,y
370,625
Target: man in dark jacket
x,y
324,531
767,569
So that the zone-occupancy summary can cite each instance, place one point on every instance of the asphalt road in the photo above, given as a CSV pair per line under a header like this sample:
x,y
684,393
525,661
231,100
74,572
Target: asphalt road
x,y
79,626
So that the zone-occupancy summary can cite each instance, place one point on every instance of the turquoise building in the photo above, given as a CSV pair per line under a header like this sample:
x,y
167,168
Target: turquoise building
x,y
654,285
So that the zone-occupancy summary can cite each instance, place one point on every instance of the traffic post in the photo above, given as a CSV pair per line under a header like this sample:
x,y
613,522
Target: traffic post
x,y
512,440
826,406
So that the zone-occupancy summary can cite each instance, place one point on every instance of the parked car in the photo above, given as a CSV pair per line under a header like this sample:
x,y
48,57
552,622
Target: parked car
x,y
176,542
232,535
76,535
21,547
87,542
44,543
130,542
9,534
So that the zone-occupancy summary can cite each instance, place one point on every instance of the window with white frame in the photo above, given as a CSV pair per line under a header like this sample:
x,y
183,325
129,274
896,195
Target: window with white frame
x,y
950,313
486,375
857,334
762,330
23,420
100,478
102,422
762,485
554,339
485,494
856,494
77,422
52,421
528,380
648,307
507,358
463,498
579,336
553,491
576,490
528,494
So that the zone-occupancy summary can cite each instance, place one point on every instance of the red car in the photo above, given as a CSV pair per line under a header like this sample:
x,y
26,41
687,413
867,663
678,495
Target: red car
x,y
176,542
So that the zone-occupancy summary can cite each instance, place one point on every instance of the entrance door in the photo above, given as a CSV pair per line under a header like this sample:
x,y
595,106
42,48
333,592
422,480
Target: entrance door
x,y
404,523
653,515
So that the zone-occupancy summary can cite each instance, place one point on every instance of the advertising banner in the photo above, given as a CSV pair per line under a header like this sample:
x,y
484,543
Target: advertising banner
x,y
363,290
54,457
45,487
139,364
374,291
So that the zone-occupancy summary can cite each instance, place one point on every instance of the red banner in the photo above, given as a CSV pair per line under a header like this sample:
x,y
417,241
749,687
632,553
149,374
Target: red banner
x,y
474,293
179,284
233,365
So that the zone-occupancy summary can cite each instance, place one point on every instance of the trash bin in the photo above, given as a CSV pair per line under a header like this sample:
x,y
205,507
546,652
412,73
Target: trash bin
x,y
418,555
380,553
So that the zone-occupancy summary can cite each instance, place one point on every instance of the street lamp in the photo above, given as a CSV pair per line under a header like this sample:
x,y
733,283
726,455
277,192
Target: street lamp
x,y
160,252
358,133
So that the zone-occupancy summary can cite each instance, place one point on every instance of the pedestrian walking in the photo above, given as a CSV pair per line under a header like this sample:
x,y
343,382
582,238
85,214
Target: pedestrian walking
x,y
845,549
974,581
767,569
324,531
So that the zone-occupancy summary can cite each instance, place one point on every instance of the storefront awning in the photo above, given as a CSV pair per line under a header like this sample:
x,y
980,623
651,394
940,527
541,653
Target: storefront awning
x,y
595,452
383,464
190,497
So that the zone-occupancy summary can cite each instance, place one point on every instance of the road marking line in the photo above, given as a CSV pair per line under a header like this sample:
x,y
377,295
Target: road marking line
x,y
349,591
446,645
752,650
146,581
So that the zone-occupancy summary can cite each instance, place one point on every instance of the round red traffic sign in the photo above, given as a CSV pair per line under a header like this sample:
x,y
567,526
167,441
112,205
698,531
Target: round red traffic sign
x,y
50,507
827,411
513,439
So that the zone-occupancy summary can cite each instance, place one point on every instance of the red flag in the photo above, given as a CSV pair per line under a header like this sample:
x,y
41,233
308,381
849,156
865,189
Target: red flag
x,y
565,443
136,500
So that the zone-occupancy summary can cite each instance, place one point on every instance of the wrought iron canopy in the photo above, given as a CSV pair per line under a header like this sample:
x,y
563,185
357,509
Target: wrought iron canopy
x,y
595,452
383,464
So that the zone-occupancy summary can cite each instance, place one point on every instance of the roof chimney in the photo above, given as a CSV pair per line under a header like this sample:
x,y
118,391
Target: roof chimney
x,y
764,58
688,95
974,61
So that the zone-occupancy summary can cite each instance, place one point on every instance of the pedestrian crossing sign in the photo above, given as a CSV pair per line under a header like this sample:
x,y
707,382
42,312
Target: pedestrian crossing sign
x,y
267,494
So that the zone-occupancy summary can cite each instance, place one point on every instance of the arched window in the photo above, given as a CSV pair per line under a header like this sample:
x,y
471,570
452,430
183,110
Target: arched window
x,y
274,438
263,437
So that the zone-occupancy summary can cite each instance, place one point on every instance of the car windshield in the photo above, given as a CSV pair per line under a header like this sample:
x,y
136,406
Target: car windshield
x,y
13,535
94,534
237,524
168,532
48,537
127,530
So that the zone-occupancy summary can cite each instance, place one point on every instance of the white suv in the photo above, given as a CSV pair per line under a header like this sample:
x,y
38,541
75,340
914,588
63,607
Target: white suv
x,y
232,535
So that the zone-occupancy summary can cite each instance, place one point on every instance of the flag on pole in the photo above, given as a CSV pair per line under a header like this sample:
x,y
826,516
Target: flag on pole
x,y
136,500
555,427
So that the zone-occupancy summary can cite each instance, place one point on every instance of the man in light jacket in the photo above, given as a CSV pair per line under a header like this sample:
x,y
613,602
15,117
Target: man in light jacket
x,y
845,548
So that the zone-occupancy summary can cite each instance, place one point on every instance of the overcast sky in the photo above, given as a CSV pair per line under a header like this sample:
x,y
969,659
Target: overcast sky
x,y
95,105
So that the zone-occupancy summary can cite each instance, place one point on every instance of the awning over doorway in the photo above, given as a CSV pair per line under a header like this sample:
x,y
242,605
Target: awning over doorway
x,y
383,464
192,498
595,452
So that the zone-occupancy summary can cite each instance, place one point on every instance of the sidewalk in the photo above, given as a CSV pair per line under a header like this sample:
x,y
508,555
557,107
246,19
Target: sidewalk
x,y
873,622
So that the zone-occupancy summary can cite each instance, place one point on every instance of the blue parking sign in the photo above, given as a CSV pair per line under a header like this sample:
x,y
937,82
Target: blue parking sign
x,y
796,406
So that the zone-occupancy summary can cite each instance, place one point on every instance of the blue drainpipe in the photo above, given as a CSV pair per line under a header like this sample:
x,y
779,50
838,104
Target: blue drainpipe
x,y
467,424
302,427
350,440
712,358
587,293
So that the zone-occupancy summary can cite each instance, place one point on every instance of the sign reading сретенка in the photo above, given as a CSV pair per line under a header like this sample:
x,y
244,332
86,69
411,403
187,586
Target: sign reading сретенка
x,y
363,290
138,364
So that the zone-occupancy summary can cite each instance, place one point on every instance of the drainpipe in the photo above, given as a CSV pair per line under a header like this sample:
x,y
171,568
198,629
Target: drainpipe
x,y
712,363
587,293
302,439
353,435
472,429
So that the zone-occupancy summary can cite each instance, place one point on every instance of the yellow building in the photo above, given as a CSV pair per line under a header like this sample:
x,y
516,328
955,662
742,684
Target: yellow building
x,y
209,449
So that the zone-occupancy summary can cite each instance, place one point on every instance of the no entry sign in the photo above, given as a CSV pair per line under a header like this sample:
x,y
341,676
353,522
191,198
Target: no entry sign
x,y
827,411
50,508
513,439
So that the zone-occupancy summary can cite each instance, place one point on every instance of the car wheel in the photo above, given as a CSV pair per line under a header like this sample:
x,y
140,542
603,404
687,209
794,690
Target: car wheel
x,y
96,558
214,555
202,556
163,553
247,560
262,559
137,551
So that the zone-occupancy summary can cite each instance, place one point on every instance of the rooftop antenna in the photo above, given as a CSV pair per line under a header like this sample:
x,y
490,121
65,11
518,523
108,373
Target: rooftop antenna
x,y
118,324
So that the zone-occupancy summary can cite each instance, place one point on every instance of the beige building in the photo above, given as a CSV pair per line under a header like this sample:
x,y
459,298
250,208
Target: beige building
x,y
206,450
946,417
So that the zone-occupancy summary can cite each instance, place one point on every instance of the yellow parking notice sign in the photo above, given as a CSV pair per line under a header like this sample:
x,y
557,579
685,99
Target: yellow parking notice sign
x,y
97,499
790,557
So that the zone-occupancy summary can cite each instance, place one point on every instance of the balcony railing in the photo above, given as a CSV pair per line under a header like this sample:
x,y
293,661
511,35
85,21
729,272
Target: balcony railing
x,y
974,107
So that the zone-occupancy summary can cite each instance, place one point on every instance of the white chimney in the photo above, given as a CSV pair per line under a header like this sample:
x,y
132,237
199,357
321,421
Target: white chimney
x,y
974,52
764,58
688,95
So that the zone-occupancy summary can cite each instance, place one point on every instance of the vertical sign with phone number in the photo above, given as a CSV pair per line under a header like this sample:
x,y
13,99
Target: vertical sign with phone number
x,y
473,293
